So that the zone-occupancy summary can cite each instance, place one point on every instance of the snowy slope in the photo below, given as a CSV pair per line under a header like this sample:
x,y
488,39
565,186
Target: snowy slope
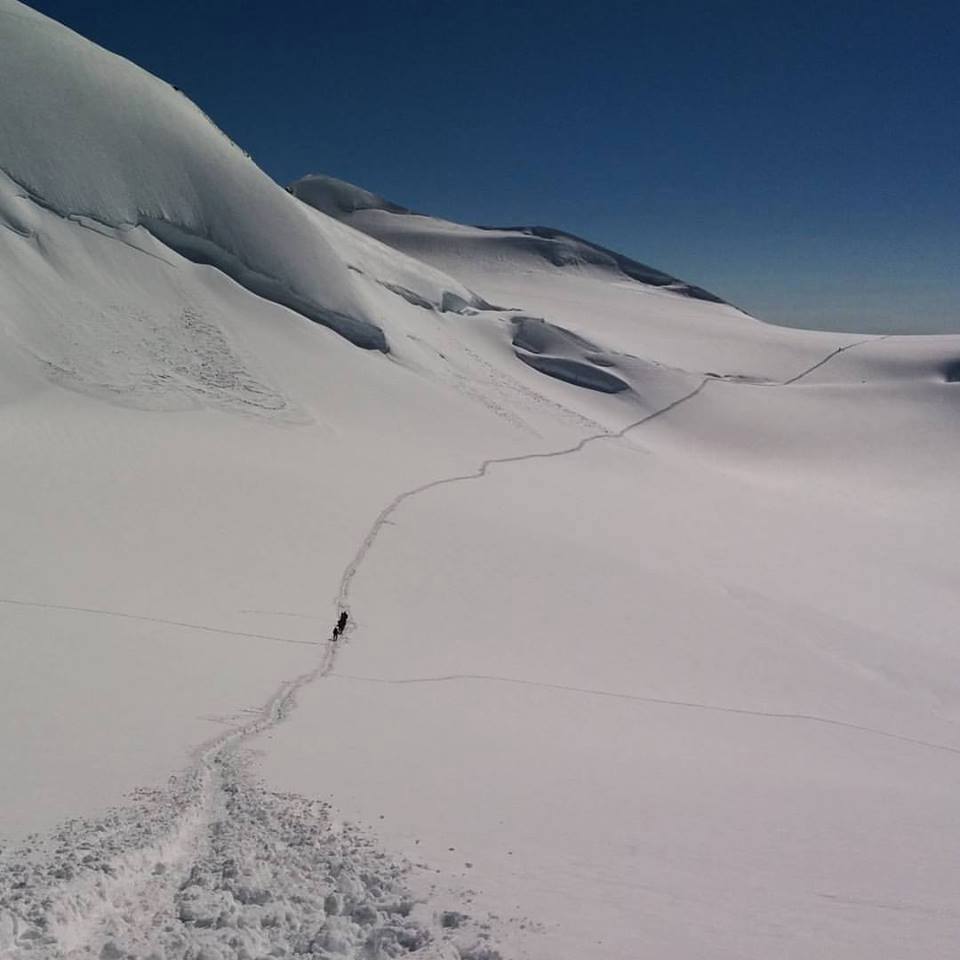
x,y
557,278
704,703
652,645
143,158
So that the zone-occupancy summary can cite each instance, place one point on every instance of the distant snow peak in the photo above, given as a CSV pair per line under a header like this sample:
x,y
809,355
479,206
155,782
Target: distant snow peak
x,y
337,197
564,249
410,232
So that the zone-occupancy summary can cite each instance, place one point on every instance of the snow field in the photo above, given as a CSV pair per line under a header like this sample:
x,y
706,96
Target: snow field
x,y
652,648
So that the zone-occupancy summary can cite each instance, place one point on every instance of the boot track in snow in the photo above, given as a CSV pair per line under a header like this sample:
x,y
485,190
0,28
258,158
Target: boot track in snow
x,y
215,866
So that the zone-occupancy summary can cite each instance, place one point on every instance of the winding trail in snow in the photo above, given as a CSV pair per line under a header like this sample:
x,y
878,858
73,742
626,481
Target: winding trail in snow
x,y
343,596
385,515
831,356
136,899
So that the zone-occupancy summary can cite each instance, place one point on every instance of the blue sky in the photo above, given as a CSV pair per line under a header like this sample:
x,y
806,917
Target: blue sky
x,y
798,158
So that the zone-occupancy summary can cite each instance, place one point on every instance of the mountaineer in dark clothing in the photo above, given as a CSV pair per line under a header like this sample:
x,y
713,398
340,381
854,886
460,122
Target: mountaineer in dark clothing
x,y
342,622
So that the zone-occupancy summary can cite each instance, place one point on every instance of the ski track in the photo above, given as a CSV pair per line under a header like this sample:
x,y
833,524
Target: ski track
x,y
657,701
172,623
284,613
214,866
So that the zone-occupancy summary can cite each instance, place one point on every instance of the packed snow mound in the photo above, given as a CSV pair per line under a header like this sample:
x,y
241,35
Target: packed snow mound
x,y
92,137
422,235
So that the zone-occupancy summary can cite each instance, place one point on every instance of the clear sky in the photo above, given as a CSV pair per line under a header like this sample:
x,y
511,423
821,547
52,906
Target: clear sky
x,y
799,158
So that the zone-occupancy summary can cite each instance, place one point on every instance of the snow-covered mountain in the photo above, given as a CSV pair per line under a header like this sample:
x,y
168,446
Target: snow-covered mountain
x,y
651,646
418,233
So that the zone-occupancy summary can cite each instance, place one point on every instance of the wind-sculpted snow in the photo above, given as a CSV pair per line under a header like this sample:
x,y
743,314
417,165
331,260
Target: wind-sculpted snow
x,y
539,246
577,372
89,135
127,321
564,355
565,249
413,280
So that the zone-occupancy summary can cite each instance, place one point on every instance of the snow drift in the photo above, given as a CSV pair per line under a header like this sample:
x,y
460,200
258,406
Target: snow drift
x,y
94,138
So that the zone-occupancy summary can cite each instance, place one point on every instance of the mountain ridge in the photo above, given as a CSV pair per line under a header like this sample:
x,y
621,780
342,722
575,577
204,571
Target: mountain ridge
x,y
341,199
